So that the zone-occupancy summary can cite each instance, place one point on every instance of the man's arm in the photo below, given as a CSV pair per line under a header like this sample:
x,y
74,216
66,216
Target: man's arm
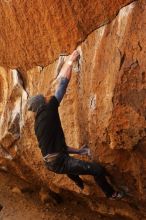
x,y
66,69
73,150
65,76
84,150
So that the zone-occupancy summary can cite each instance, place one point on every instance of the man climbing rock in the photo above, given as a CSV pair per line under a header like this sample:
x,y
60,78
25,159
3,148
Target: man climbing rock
x,y
51,138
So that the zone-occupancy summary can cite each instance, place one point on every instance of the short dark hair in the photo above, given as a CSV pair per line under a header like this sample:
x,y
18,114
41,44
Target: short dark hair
x,y
35,102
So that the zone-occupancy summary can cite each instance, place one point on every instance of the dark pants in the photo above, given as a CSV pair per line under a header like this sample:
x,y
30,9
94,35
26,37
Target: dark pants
x,y
65,164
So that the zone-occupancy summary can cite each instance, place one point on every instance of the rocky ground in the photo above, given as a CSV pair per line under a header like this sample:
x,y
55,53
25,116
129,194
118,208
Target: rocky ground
x,y
21,204
18,201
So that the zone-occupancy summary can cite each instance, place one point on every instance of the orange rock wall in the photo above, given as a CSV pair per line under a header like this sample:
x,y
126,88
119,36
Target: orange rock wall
x,y
35,32
105,102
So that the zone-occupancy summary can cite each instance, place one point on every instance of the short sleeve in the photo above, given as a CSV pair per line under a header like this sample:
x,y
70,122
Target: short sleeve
x,y
53,102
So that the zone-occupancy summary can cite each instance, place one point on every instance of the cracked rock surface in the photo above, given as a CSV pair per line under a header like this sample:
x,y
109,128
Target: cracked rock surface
x,y
105,104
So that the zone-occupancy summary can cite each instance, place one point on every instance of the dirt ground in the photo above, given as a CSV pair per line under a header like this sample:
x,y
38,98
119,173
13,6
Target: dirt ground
x,y
20,203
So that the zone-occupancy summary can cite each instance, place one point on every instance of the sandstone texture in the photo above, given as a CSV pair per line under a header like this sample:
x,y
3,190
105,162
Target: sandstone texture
x,y
105,104
35,32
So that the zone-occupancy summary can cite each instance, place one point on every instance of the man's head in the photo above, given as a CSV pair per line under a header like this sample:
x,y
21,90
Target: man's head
x,y
35,102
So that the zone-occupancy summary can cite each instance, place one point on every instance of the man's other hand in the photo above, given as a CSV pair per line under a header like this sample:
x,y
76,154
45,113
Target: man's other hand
x,y
85,150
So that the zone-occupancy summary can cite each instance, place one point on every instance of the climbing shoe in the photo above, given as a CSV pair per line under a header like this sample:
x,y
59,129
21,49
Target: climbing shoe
x,y
117,195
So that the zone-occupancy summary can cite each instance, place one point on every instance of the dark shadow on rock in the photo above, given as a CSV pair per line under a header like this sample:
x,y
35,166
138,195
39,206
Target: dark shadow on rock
x,y
1,207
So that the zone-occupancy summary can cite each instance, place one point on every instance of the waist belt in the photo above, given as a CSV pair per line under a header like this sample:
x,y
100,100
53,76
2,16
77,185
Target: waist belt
x,y
50,157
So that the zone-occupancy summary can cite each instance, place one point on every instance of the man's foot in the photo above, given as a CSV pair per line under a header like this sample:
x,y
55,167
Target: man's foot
x,y
117,195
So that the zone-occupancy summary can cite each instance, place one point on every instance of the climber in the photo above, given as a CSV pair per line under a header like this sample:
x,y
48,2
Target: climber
x,y
51,138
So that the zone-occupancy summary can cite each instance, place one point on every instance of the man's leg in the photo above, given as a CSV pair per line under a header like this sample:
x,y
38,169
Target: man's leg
x,y
76,167
65,76
78,181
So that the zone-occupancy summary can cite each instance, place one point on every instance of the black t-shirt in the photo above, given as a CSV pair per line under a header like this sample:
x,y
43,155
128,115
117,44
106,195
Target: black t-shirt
x,y
48,128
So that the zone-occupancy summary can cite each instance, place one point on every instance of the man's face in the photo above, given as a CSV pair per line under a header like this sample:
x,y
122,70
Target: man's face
x,y
29,108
